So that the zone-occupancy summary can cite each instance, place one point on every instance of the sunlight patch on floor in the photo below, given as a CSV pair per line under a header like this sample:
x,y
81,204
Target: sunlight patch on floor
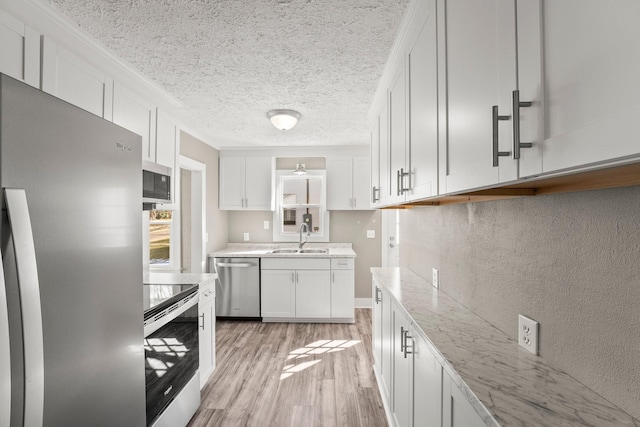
x,y
315,348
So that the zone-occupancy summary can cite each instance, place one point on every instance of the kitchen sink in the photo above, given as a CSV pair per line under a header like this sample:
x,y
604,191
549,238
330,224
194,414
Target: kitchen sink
x,y
284,251
313,251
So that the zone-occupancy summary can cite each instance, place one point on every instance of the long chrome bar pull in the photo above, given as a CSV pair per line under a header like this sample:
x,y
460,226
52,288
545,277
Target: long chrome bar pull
x,y
517,104
496,149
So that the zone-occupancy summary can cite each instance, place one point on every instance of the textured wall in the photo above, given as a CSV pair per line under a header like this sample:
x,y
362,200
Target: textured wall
x,y
217,220
571,262
346,227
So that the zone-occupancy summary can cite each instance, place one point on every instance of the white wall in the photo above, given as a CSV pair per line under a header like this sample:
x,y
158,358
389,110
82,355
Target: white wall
x,y
570,261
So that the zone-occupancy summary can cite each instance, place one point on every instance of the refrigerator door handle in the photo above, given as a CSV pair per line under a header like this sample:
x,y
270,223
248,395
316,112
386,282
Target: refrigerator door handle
x,y
5,355
29,287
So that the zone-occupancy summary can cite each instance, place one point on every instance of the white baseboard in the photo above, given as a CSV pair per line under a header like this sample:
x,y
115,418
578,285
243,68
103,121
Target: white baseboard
x,y
363,303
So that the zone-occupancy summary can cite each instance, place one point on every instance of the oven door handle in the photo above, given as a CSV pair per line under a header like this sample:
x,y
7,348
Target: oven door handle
x,y
167,315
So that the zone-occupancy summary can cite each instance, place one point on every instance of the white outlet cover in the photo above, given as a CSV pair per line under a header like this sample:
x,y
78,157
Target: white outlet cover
x,y
371,234
246,237
436,278
528,333
266,225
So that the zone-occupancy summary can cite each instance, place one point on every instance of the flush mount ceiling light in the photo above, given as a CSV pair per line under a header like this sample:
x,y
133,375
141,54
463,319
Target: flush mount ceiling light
x,y
283,119
300,170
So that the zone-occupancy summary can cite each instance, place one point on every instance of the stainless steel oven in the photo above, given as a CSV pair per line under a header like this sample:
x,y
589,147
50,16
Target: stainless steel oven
x,y
171,354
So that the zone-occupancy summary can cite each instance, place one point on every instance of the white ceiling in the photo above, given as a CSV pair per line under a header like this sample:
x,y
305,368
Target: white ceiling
x,y
230,61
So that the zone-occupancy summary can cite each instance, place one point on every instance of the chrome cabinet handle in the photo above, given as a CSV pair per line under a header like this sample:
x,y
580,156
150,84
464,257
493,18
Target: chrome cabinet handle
x,y
517,104
375,194
378,295
496,117
29,288
406,346
398,187
401,187
202,317
402,343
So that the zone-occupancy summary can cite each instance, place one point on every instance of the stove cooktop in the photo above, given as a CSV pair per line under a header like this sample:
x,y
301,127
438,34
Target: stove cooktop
x,y
158,297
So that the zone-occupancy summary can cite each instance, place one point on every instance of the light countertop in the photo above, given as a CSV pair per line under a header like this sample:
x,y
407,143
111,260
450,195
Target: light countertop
x,y
515,386
169,278
263,250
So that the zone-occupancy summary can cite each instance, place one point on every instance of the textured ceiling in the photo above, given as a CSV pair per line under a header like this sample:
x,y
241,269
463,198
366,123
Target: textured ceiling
x,y
230,61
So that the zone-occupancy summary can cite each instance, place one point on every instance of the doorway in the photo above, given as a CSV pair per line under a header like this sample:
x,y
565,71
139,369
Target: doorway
x,y
390,238
193,216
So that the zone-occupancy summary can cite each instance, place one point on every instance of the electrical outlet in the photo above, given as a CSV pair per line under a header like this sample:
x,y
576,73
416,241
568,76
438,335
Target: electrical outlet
x,y
246,237
371,234
266,225
434,281
528,333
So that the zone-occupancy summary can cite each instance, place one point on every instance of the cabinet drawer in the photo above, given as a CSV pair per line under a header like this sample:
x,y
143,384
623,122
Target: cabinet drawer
x,y
295,264
342,263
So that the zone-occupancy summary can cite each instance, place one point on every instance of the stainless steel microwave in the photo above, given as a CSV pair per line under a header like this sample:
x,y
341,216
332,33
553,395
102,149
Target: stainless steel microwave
x,y
156,183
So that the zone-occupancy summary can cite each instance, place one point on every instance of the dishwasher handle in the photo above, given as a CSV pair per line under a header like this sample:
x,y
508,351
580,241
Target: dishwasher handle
x,y
236,264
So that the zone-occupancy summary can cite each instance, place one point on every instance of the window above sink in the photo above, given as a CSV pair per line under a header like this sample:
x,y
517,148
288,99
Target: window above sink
x,y
300,199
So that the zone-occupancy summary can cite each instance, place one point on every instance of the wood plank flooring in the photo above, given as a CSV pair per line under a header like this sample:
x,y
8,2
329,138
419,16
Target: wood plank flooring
x,y
292,374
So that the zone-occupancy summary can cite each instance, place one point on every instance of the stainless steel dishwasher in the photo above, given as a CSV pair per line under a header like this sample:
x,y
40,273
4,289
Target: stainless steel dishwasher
x,y
237,287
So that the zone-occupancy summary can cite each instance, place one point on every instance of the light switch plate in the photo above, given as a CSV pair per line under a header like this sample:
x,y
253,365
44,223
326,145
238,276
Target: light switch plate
x,y
246,237
528,333
371,234
266,225
435,278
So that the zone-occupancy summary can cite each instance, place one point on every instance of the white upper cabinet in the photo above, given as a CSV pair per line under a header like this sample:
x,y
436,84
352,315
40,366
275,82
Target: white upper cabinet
x,y
591,82
68,77
478,60
348,183
19,50
375,163
398,135
167,139
133,112
246,183
422,75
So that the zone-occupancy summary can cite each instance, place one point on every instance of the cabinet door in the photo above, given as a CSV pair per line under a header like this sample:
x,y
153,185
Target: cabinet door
x,y
313,293
457,411
427,385
385,165
361,183
133,112
376,341
402,370
277,293
591,78
478,56
397,136
68,77
342,294
387,343
258,183
19,50
422,156
207,341
339,183
374,195
167,140
231,185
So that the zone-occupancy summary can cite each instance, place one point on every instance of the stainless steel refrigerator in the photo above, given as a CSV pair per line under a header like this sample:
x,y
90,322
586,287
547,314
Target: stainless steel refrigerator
x,y
71,313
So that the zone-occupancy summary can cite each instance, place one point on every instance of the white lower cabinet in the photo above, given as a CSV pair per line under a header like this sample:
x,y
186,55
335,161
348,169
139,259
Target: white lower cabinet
x,y
414,387
307,288
207,334
277,293
456,408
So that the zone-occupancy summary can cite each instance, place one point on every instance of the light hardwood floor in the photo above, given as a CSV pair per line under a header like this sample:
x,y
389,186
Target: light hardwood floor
x,y
292,374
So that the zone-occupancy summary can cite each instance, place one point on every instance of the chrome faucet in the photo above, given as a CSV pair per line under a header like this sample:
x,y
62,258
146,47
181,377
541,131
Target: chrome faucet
x,y
303,226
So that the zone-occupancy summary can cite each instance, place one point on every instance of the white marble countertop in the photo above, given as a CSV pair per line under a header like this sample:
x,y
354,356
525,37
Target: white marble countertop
x,y
169,278
263,250
515,386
